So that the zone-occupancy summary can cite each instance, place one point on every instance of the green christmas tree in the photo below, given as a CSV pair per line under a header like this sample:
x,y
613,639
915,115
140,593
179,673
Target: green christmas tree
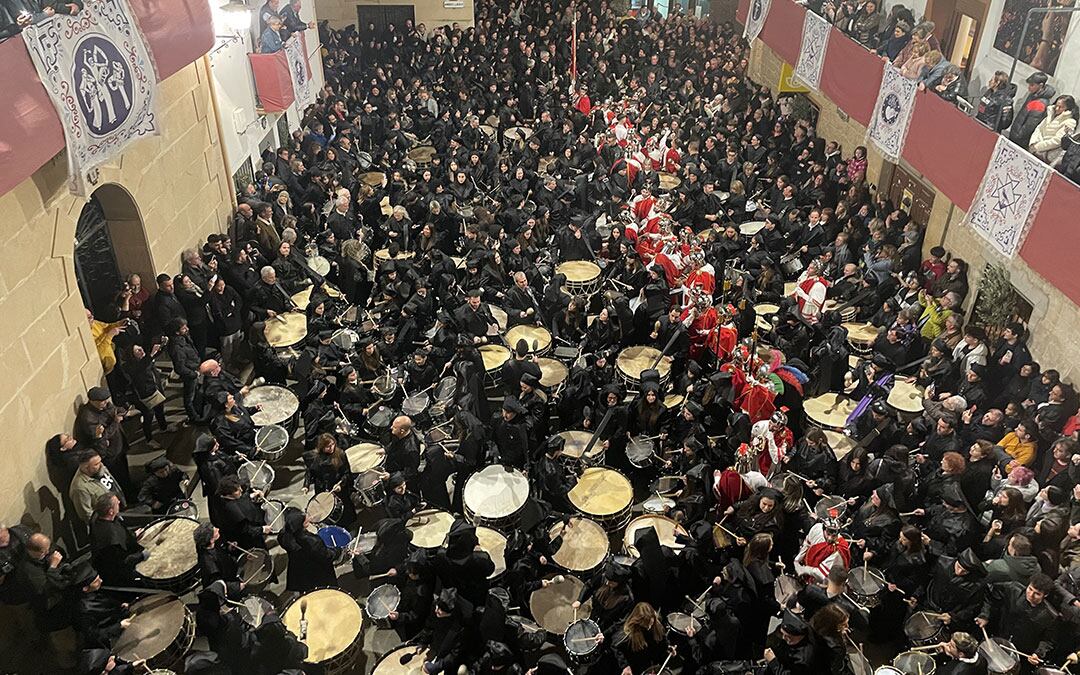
x,y
996,304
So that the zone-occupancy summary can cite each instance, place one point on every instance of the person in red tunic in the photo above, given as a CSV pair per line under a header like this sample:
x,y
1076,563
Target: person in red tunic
x,y
823,548
583,105
704,320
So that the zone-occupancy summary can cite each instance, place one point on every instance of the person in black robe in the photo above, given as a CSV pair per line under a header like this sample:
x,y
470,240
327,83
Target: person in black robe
x,y
328,470
473,319
1020,614
399,502
164,485
416,586
460,565
216,562
440,462
391,548
98,617
611,595
213,466
402,448
510,434
444,632
549,476
233,427
241,521
311,562
951,522
520,363
521,304
793,653
114,548
275,649
226,632
956,588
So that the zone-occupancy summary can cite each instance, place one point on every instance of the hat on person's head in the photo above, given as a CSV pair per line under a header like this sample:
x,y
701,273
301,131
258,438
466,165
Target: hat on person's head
x,y
157,464
969,561
347,371
952,496
98,394
979,369
511,404
396,479
530,380
473,293
793,624
879,407
326,334
447,600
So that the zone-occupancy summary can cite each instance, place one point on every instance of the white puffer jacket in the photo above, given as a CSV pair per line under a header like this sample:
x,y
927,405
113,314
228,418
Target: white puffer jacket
x,y
1046,140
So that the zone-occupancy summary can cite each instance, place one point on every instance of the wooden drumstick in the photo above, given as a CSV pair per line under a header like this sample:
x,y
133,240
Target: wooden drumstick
x,y
376,577
726,530
277,517
254,574
241,549
925,648
663,666
1015,651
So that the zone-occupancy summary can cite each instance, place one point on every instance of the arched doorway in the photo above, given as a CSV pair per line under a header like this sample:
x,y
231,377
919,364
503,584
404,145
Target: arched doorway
x,y
110,243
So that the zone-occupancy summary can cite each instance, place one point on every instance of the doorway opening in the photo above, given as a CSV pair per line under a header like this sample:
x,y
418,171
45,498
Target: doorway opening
x,y
110,243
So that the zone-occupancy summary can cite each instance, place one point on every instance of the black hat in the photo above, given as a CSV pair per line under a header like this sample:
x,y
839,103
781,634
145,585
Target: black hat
x,y
347,370
396,479
473,293
389,266
530,380
513,405
969,561
447,600
98,394
952,496
326,334
979,369
695,408
793,624
157,464
879,407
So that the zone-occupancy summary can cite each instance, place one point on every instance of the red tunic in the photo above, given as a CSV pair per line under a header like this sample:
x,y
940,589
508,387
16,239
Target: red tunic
x,y
584,105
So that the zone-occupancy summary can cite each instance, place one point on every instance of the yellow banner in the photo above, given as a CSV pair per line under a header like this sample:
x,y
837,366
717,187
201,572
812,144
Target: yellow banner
x,y
787,81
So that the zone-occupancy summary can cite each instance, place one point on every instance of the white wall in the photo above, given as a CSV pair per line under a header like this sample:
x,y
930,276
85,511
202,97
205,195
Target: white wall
x,y
235,88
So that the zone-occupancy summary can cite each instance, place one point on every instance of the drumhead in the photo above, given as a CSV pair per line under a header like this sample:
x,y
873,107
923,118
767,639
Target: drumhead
x,y
346,338
681,622
256,567
631,361
601,492
391,663
998,660
494,492
430,528
865,580
551,608
657,504
580,638
278,403
494,356
321,506
922,625
272,510
829,410
537,338
830,503
365,456
271,439
914,663
335,537
638,449
552,372
585,544
253,609
381,418
258,475
382,600
906,397
578,271
666,531
333,622
575,442
494,544
171,546
288,330
415,404
156,621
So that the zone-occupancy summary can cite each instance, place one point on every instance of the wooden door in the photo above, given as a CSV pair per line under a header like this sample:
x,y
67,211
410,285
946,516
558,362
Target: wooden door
x,y
905,187
384,15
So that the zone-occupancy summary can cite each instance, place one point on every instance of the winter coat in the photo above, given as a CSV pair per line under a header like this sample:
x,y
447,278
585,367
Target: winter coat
x,y
1030,114
1046,139
997,102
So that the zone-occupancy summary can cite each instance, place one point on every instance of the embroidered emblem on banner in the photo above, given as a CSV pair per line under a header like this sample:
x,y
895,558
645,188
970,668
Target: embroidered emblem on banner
x,y
815,42
892,113
1009,196
755,20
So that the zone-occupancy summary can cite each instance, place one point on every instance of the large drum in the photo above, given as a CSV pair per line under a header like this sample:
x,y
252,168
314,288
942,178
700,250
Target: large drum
x,y
582,277
924,628
286,330
584,544
383,255
632,361
271,442
765,312
373,178
906,398
668,181
999,660
256,569
847,314
279,406
325,507
429,528
517,136
841,444
303,298
603,494
495,357
422,154
915,663
551,606
161,632
537,338
574,444
495,496
552,372
365,456
407,660
861,337
752,228
334,621
828,411
666,531
494,544
173,563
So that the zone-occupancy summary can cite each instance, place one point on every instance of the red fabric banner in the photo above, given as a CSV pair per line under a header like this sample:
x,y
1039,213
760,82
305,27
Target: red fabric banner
x,y
273,81
178,32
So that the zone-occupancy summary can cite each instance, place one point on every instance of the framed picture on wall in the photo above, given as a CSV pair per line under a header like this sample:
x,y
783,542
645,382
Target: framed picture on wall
x,y
1045,36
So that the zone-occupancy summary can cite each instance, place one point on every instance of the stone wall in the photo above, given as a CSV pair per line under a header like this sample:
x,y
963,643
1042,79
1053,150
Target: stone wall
x,y
1055,320
432,13
47,358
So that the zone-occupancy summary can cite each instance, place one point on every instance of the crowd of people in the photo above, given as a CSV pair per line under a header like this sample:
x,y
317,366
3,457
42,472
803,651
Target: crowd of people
x,y
1041,120
447,189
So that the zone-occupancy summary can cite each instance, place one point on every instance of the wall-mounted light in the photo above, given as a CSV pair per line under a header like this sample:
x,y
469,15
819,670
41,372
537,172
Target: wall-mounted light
x,y
235,15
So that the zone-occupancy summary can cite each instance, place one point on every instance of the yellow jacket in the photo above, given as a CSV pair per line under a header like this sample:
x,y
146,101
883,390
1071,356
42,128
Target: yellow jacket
x,y
99,330
1023,453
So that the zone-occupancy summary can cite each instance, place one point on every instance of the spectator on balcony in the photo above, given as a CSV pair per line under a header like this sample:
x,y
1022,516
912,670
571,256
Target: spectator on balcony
x,y
922,33
897,14
952,85
268,10
290,16
996,103
912,68
865,25
18,14
270,41
1070,158
933,70
1059,121
894,42
1033,109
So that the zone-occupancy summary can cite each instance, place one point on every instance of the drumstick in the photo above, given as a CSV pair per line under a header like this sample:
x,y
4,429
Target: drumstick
x,y
908,513
246,552
1015,651
695,602
253,575
375,577
663,666
279,515
925,648
585,639
726,530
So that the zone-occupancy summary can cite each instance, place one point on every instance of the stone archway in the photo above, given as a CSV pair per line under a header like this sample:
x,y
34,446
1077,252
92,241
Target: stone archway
x,y
110,243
